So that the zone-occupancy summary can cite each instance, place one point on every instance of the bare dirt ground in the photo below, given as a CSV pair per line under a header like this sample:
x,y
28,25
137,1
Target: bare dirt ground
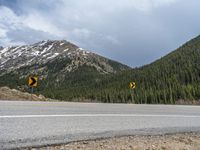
x,y
186,141
12,94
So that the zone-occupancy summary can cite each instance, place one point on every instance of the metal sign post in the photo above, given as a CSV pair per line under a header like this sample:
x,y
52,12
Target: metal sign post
x,y
32,82
33,79
132,86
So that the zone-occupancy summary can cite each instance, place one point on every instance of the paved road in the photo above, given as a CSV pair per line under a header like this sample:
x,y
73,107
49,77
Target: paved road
x,y
40,123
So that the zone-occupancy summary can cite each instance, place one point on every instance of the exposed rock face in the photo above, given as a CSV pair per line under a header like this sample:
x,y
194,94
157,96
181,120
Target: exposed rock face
x,y
41,53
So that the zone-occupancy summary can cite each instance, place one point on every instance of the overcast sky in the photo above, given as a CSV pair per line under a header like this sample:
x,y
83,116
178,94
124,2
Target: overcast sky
x,y
134,32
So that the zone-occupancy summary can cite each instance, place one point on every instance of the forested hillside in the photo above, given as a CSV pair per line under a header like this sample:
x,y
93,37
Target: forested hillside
x,y
175,76
171,78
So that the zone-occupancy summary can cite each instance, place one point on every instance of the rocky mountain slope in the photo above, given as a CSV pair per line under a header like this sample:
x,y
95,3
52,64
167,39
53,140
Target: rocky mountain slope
x,y
56,63
41,53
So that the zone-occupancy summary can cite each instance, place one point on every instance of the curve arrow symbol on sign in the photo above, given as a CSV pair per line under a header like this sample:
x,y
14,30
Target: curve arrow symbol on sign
x,y
33,81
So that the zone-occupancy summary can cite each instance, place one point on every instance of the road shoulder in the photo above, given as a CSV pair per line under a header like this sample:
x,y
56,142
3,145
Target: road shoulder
x,y
186,141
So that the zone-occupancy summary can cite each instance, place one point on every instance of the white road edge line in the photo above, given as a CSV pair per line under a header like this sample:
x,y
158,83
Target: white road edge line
x,y
99,115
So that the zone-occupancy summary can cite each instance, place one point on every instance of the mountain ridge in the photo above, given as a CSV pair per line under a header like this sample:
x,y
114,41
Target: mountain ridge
x,y
40,53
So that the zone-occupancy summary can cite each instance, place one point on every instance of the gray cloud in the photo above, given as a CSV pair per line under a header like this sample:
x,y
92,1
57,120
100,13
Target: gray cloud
x,y
134,32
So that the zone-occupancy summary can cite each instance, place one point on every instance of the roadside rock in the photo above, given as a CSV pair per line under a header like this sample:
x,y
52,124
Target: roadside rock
x,y
12,94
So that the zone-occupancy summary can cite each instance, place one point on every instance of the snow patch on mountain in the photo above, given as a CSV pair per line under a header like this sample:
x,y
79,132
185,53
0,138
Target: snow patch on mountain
x,y
44,52
12,58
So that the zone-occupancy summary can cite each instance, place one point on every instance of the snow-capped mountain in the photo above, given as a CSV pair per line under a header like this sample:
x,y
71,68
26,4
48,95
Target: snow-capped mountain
x,y
45,52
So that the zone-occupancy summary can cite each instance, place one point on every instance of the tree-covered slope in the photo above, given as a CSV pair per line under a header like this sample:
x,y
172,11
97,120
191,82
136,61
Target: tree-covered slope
x,y
171,78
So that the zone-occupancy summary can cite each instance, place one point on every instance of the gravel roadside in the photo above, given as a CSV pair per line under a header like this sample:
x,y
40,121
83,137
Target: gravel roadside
x,y
186,141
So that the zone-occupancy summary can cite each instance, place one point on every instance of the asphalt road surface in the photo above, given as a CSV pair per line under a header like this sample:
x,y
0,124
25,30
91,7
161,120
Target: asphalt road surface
x,y
27,124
